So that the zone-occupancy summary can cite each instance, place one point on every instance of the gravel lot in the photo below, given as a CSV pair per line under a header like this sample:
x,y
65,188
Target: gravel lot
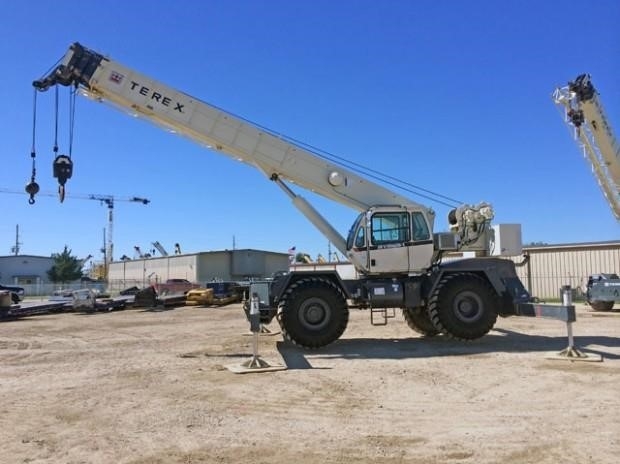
x,y
143,386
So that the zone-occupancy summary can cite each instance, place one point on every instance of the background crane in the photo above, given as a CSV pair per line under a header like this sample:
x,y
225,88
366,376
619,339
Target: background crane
x,y
108,200
160,248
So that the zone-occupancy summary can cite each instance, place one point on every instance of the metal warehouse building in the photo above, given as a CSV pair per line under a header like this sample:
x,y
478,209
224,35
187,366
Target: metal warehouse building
x,y
25,269
226,265
552,266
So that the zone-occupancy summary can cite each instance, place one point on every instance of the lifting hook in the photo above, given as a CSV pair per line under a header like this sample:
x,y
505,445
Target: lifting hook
x,y
63,170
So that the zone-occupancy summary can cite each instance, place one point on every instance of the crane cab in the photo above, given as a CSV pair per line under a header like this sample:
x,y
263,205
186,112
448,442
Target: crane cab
x,y
391,240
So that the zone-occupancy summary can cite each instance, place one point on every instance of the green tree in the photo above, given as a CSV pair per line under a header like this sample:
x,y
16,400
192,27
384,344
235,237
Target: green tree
x,y
302,258
66,268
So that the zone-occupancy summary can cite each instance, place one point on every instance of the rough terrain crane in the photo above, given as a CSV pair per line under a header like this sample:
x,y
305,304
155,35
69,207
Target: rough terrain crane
x,y
584,113
391,242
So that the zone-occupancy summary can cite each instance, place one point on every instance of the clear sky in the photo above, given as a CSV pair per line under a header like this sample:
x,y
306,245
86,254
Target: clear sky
x,y
451,96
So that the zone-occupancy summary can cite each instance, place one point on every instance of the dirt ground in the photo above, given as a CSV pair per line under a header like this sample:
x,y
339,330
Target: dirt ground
x,y
143,386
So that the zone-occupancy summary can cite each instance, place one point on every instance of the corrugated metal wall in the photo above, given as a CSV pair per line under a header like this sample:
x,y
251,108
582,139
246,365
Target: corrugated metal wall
x,y
275,262
213,265
148,271
200,267
551,267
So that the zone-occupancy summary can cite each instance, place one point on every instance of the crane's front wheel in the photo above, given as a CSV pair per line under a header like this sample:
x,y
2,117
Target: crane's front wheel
x,y
419,320
313,312
463,306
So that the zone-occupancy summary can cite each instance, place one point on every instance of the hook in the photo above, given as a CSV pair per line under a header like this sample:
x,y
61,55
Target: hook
x,y
32,189
61,192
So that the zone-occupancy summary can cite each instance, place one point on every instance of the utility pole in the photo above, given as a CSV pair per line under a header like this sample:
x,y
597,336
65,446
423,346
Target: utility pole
x,y
15,248
105,257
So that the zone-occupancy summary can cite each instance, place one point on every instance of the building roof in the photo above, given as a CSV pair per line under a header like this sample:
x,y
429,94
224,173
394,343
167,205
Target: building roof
x,y
605,244
26,256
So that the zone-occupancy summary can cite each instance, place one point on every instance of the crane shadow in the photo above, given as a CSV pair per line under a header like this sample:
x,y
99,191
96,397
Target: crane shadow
x,y
498,341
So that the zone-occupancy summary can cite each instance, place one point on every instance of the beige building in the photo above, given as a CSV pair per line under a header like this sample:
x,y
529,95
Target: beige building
x,y
226,265
552,266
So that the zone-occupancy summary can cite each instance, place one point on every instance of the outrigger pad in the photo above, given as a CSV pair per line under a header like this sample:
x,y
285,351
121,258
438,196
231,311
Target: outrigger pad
x,y
574,354
255,364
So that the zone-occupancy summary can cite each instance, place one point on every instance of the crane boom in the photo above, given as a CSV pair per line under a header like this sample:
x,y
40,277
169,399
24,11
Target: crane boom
x,y
275,155
584,112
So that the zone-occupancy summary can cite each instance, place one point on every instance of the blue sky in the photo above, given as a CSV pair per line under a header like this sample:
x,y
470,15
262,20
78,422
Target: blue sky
x,y
452,96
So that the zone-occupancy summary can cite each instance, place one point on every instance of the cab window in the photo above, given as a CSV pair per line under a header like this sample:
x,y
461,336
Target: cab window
x,y
354,232
419,226
390,228
360,238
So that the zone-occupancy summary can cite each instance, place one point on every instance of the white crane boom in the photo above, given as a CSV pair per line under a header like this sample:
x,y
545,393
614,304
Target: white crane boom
x,y
160,248
104,79
584,112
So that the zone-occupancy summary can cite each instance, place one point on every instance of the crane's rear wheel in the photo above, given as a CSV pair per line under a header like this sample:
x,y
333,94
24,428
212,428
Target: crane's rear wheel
x,y
463,306
598,305
313,312
419,320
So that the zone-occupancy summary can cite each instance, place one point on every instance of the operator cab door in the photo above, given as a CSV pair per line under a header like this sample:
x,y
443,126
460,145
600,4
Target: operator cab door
x,y
390,232
378,242
384,242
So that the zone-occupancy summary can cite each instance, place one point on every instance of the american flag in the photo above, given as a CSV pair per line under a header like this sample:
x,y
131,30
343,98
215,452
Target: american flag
x,y
291,254
291,251
116,77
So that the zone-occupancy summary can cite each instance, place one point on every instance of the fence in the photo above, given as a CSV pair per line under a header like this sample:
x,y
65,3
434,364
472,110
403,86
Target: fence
x,y
45,290
116,285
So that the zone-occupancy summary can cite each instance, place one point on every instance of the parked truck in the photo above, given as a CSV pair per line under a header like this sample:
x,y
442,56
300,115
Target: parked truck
x,y
391,243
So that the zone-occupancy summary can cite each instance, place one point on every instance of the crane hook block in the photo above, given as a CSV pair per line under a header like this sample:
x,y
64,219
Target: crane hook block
x,y
32,189
63,168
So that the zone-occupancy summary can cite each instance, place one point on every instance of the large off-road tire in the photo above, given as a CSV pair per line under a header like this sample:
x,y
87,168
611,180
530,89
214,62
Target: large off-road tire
x,y
598,305
313,312
419,320
463,306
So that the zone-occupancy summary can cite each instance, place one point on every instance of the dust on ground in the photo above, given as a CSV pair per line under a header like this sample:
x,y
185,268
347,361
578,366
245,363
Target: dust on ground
x,y
142,386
